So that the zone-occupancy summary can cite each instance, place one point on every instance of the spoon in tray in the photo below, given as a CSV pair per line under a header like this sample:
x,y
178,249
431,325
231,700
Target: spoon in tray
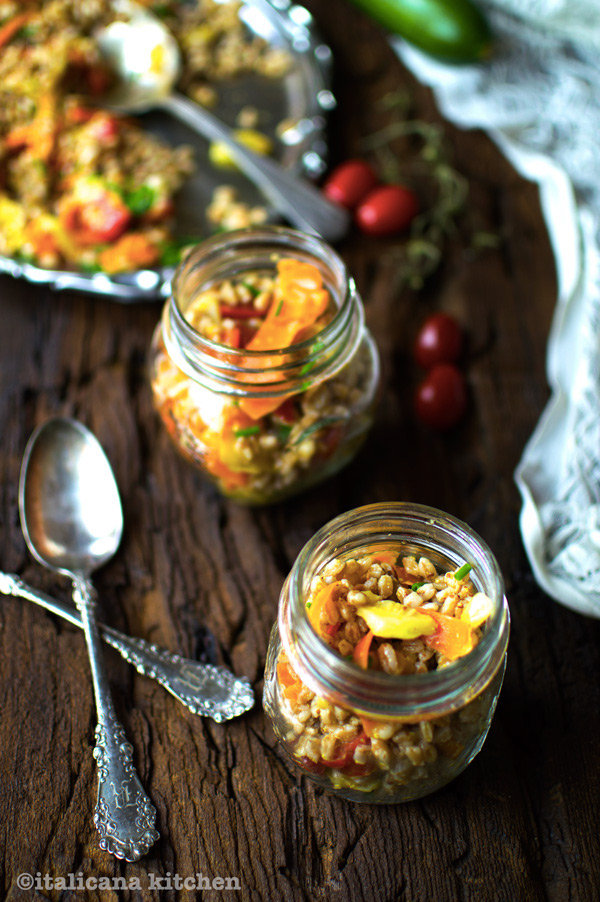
x,y
145,58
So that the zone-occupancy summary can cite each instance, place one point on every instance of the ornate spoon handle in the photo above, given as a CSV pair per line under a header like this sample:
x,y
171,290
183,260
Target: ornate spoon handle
x,y
204,688
124,815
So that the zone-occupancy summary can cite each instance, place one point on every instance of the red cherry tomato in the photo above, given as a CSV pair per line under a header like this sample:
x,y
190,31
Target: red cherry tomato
x,y
99,220
387,210
441,398
348,183
439,341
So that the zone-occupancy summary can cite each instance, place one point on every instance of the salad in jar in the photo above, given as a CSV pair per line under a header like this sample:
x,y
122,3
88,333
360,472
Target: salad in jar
x,y
296,387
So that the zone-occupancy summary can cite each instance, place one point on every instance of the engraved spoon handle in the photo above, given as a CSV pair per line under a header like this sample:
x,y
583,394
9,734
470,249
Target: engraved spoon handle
x,y
205,689
124,815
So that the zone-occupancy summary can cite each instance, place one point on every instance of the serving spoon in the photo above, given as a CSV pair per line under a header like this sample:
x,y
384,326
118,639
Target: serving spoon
x,y
72,520
145,58
205,689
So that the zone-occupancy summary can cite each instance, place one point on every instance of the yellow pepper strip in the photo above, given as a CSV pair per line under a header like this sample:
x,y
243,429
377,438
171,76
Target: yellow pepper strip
x,y
477,610
453,637
390,620
220,155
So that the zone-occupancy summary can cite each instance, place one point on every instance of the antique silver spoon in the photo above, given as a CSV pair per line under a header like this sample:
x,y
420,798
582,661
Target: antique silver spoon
x,y
72,520
145,57
206,689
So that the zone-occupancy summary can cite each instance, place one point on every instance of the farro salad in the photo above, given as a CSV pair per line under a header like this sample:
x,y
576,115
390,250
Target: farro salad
x,y
81,187
393,612
257,449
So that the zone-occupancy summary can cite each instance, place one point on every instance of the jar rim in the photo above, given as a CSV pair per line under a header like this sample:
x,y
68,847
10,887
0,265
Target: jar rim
x,y
264,234
376,693
282,371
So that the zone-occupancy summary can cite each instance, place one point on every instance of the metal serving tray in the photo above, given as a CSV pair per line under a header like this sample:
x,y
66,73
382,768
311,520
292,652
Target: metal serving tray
x,y
302,97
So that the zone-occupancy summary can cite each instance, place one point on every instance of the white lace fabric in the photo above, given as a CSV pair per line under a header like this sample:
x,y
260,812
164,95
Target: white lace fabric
x,y
539,100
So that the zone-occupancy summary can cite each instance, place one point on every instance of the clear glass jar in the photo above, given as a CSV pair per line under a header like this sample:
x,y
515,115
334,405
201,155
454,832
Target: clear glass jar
x,y
332,377
424,728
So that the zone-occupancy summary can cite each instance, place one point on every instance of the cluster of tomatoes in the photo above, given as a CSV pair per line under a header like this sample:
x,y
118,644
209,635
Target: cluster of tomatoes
x,y
378,209
441,398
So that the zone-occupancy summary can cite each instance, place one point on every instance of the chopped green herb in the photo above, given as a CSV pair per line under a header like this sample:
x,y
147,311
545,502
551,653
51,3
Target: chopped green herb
x,y
315,427
171,254
463,571
416,586
283,433
235,402
278,311
309,604
161,10
252,289
248,430
25,32
140,200
307,367
304,386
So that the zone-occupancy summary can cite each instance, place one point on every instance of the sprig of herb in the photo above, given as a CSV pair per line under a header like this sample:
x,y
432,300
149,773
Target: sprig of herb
x,y
421,254
316,427
247,430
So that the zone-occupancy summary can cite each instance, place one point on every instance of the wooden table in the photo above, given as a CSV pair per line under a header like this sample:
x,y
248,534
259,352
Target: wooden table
x,y
202,576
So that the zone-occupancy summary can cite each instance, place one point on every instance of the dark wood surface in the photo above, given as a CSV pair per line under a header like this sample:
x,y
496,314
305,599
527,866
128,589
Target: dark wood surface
x,y
202,576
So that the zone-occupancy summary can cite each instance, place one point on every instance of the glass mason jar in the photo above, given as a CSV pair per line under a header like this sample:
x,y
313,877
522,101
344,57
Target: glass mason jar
x,y
423,728
329,381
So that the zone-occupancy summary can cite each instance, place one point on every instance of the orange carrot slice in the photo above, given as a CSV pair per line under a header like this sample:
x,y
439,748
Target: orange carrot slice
x,y
369,725
323,604
361,650
299,302
10,28
453,637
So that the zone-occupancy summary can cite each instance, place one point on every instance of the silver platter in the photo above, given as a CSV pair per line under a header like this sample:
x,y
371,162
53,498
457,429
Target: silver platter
x,y
302,96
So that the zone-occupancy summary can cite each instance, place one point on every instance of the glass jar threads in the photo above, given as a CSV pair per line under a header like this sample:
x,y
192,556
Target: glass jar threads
x,y
386,662
262,368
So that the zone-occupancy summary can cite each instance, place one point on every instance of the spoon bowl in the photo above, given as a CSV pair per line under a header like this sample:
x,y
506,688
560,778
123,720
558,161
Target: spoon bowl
x,y
69,502
145,60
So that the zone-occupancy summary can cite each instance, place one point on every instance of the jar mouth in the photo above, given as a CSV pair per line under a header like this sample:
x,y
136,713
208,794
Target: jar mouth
x,y
377,693
224,257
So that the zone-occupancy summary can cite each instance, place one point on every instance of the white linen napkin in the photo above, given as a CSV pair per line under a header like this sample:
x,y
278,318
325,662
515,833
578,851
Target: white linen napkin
x,y
539,100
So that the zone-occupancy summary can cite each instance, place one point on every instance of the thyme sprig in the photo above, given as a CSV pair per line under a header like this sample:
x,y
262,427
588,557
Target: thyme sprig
x,y
421,254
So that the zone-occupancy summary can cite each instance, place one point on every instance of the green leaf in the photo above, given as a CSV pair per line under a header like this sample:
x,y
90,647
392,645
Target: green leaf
x,y
140,200
249,430
171,254
416,586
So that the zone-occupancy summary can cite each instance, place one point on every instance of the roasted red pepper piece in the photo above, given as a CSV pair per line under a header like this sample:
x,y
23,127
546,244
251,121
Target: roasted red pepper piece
x,y
239,312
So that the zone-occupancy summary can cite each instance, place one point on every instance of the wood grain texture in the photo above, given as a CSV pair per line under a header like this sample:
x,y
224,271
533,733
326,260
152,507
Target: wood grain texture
x,y
202,576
